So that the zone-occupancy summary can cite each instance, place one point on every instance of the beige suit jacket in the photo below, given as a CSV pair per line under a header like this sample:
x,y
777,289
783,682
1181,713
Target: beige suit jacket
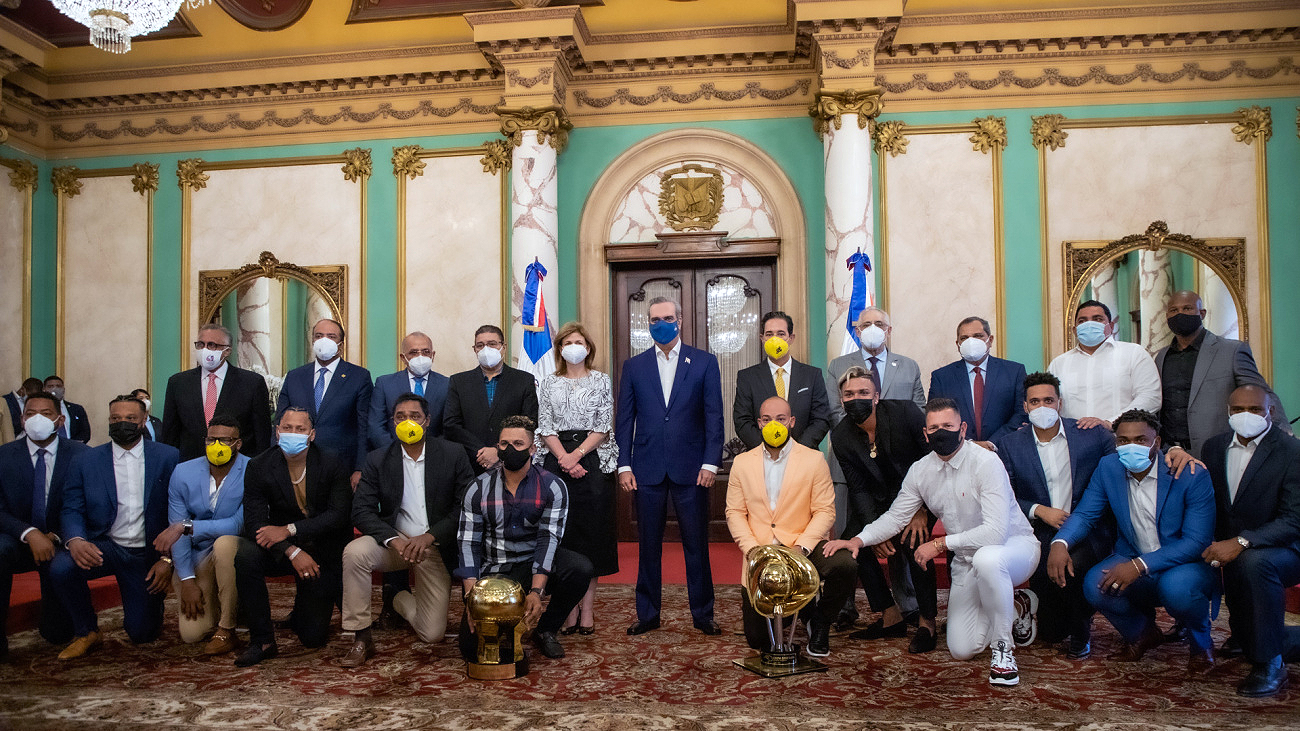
x,y
805,507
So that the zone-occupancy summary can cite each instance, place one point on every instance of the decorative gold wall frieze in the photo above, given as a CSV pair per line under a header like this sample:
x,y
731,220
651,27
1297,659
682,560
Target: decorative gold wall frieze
x,y
407,162
1254,123
551,124
706,90
543,76
889,137
497,156
990,134
144,177
22,174
1046,131
190,175
66,181
831,106
357,165
831,58
1143,72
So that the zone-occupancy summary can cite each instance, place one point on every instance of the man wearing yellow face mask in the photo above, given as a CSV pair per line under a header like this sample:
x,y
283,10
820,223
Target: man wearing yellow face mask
x,y
205,508
802,386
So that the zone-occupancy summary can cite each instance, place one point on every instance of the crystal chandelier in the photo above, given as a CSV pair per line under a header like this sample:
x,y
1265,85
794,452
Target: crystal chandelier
x,y
113,23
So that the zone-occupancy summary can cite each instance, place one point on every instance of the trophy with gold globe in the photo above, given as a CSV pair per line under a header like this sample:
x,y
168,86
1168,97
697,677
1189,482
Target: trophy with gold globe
x,y
779,582
496,609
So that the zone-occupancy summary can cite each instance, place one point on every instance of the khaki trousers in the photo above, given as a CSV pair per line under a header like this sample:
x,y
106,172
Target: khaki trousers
x,y
425,608
216,577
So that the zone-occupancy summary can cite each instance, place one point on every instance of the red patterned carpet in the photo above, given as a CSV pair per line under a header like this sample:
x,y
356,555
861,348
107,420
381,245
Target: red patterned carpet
x,y
674,678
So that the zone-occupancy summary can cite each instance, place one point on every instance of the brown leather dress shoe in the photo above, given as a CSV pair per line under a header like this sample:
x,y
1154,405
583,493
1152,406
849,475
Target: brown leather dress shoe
x,y
81,646
1133,651
1200,662
362,650
223,641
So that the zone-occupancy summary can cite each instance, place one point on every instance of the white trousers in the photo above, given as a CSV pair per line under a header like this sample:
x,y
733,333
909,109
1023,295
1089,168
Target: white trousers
x,y
980,602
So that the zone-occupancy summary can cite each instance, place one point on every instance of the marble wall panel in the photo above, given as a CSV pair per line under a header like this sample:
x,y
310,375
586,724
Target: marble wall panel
x,y
308,215
1106,183
939,262
744,213
105,251
13,204
453,257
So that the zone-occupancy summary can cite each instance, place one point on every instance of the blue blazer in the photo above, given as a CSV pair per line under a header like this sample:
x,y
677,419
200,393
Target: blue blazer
x,y
90,493
18,478
78,425
341,423
1004,396
15,412
669,442
187,499
1184,513
1019,453
393,386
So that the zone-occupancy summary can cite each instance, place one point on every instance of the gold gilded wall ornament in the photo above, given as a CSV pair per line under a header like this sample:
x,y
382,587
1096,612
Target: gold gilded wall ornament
x,y
66,181
22,174
831,106
190,175
690,197
144,179
497,156
990,133
1255,123
1047,132
357,164
407,162
551,124
889,137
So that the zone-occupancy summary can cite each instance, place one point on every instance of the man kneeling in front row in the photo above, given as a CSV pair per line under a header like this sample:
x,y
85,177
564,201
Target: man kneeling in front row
x,y
780,493
511,523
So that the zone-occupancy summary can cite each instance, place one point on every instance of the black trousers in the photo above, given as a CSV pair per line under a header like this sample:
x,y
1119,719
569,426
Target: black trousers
x,y
16,558
924,580
570,576
313,603
1063,611
1254,586
838,573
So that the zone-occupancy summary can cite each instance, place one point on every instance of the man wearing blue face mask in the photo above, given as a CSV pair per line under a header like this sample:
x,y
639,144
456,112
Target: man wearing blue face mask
x,y
1102,377
1164,524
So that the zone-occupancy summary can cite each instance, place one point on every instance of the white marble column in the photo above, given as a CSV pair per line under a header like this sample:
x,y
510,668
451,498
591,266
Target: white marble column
x,y
1156,284
1105,287
1220,309
253,332
535,228
849,223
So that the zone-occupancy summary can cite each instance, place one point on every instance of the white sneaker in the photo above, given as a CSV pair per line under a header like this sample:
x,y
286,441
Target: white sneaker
x,y
1003,670
1024,628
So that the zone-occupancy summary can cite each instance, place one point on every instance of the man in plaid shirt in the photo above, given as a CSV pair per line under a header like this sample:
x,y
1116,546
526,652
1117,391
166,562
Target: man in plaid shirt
x,y
511,523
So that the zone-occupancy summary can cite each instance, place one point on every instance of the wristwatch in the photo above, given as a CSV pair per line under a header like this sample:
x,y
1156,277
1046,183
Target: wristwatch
x,y
535,590
189,527
1244,543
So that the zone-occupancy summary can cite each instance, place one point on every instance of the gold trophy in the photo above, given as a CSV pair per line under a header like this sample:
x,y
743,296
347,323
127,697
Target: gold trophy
x,y
779,582
496,608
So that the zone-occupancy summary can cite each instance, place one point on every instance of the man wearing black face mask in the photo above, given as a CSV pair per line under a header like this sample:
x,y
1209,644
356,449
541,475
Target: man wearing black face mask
x,y
511,523
1198,371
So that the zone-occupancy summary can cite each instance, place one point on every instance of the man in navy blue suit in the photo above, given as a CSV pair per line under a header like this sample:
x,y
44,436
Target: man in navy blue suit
x,y
419,378
335,393
1164,524
989,391
669,430
32,471
114,507
76,423
1050,465
14,400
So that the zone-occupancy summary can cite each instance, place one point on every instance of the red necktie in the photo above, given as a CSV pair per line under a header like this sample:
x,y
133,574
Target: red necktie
x,y
210,400
977,391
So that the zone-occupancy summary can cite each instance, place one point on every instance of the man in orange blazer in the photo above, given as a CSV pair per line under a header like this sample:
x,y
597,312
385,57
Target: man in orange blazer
x,y
780,493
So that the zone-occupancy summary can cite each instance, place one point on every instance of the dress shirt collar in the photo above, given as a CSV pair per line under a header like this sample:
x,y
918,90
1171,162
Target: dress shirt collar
x,y
51,449
771,366
221,372
671,355
982,365
1194,345
1059,437
136,452
957,459
780,455
416,460
881,359
1108,343
332,367
1234,443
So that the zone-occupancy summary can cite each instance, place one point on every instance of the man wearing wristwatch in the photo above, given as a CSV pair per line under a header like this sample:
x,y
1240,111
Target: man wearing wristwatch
x,y
511,523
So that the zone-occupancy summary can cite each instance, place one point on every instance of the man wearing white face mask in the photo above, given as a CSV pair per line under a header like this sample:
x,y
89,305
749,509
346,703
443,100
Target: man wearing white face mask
x,y
419,378
1102,377
76,424
152,428
337,395
988,390
478,400
193,396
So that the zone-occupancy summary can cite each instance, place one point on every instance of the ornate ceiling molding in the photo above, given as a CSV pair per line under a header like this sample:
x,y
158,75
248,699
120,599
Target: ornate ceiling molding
x,y
705,91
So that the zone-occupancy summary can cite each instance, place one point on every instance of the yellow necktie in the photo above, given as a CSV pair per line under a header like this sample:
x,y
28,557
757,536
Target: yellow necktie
x,y
780,382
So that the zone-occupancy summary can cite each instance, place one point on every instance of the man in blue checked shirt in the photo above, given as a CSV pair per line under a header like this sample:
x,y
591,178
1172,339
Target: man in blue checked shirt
x,y
511,523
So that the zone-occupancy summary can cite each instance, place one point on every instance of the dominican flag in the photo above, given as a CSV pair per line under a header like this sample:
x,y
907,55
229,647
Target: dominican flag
x,y
861,297
535,354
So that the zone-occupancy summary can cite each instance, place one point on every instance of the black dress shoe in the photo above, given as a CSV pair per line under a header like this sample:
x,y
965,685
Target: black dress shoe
x,y
548,645
1231,647
1177,633
913,617
643,626
255,653
1264,680
819,639
877,630
1078,648
844,622
709,628
924,641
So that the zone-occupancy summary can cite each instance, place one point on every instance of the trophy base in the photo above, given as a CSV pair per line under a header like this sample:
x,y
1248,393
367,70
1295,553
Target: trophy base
x,y
501,671
779,664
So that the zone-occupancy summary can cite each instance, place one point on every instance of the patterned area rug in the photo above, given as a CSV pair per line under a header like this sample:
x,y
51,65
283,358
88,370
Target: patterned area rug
x,y
674,678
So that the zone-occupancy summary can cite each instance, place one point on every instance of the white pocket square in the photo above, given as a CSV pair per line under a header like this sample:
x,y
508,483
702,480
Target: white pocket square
x,y
805,388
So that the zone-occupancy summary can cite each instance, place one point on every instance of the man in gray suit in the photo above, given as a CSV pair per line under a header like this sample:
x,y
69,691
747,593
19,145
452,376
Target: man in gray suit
x,y
1198,371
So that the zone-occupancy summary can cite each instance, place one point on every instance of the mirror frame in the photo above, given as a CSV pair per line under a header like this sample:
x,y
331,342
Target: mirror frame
x,y
331,282
1225,256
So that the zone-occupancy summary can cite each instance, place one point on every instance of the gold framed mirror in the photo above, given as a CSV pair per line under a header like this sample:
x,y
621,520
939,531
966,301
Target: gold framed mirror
x,y
1135,276
269,308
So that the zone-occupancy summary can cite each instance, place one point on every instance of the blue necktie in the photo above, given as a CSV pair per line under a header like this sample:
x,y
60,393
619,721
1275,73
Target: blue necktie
x,y
320,387
38,493
419,386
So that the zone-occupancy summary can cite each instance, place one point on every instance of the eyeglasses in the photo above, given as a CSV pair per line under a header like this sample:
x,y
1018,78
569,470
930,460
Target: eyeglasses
x,y
489,344
209,345
427,352
224,442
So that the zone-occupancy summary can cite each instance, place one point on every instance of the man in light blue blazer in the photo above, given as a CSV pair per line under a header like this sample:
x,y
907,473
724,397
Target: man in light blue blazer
x,y
994,385
1164,524
205,505
419,378
669,430
335,393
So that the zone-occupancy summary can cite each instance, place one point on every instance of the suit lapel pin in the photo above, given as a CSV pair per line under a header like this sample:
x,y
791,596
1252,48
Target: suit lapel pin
x,y
688,361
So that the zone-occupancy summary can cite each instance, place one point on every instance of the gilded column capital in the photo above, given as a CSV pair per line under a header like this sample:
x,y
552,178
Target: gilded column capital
x,y
407,162
190,175
357,164
1047,132
889,137
22,174
990,133
831,106
551,124
1253,123
496,156
66,181
144,179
